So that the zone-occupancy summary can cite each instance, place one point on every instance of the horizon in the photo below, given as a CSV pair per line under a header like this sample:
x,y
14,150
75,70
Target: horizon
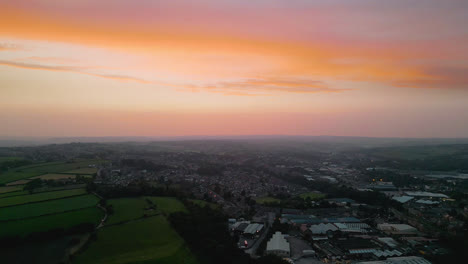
x,y
233,68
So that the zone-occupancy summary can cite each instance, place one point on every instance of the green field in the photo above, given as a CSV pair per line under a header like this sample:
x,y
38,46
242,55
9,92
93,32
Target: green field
x,y
47,207
49,222
203,203
18,182
84,171
267,199
44,168
126,209
168,205
148,240
312,195
54,176
7,189
38,197
16,193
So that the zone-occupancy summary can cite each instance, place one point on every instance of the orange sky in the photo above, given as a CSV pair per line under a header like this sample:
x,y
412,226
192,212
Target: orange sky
x,y
161,68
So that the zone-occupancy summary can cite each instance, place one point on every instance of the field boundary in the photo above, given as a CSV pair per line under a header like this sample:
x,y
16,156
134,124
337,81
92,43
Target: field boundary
x,y
53,199
80,187
37,216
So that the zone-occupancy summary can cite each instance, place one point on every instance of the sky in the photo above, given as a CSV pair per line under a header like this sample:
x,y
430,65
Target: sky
x,y
233,67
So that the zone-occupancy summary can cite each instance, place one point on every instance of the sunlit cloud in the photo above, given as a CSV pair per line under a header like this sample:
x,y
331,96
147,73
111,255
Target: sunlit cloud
x,y
80,70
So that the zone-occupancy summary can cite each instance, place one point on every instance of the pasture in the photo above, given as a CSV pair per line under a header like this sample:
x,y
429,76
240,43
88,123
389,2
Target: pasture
x,y
83,171
312,195
54,176
7,189
203,203
33,170
267,199
168,205
38,197
47,207
141,241
126,209
65,220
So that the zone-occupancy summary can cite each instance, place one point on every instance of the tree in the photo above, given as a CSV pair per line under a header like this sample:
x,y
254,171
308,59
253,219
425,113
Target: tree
x,y
32,185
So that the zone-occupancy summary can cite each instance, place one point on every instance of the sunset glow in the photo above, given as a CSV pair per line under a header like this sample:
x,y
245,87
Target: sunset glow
x,y
225,67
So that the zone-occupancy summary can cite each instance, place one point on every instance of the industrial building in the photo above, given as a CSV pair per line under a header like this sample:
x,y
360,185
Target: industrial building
x,y
278,245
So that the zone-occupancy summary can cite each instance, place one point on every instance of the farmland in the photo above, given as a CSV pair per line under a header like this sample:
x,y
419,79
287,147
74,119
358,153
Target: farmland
x,y
44,223
29,171
203,203
54,176
47,207
140,239
126,209
267,199
168,205
8,189
38,197
137,241
83,171
312,196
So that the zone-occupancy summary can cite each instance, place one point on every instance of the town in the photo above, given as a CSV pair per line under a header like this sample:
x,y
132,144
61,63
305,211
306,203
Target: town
x,y
302,206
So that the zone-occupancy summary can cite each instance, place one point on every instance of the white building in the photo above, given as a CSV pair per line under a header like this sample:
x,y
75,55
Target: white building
x,y
278,245
397,229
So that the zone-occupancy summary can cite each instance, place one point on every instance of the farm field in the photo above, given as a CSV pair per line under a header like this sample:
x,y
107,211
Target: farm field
x,y
168,205
54,176
83,171
267,199
15,193
18,182
126,209
7,189
38,197
312,195
141,241
33,170
47,207
49,222
203,203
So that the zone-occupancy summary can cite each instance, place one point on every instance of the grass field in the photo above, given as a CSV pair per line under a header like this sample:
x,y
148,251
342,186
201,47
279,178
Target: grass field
x,y
168,205
33,170
5,159
47,207
49,222
312,195
203,203
267,199
16,193
38,197
148,240
7,189
18,182
54,176
84,171
126,209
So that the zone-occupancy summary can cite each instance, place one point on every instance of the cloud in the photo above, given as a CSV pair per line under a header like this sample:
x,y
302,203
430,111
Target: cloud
x,y
74,69
439,78
9,47
265,86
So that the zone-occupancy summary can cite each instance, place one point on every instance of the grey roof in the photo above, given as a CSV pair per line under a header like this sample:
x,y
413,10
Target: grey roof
x,y
402,199
322,228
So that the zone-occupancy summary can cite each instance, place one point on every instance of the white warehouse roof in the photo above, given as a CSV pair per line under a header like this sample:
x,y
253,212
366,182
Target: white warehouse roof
x,y
278,242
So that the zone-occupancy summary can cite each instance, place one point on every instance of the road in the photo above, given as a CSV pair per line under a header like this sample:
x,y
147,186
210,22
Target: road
x,y
251,251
